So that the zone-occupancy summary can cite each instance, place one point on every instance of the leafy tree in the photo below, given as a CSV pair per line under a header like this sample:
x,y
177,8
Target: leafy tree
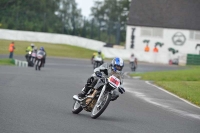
x,y
63,16
69,15
111,16
39,15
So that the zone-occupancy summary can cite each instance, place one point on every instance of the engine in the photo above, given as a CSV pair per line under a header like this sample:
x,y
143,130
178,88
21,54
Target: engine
x,y
90,104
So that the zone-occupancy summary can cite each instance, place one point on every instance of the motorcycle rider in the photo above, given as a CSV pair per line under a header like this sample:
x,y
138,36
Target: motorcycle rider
x,y
93,55
105,70
99,53
44,58
133,60
29,49
35,49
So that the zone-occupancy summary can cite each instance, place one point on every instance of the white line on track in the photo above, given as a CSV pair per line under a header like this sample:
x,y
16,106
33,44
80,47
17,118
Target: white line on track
x,y
166,107
151,100
147,82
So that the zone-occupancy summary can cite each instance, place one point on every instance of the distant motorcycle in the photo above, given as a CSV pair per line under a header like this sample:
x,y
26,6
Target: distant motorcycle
x,y
96,101
97,61
31,58
39,60
28,55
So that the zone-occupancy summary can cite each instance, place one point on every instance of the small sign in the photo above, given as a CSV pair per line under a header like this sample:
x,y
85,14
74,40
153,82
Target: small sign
x,y
179,39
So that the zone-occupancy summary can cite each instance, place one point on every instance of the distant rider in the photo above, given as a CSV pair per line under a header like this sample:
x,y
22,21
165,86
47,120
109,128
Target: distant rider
x,y
133,60
93,55
29,49
35,49
99,53
105,70
43,52
34,52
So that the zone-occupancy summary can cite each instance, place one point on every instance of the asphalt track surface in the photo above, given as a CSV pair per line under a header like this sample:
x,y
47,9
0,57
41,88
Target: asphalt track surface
x,y
41,102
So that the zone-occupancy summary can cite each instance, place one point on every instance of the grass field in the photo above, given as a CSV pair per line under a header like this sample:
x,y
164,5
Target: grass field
x,y
184,83
7,62
58,50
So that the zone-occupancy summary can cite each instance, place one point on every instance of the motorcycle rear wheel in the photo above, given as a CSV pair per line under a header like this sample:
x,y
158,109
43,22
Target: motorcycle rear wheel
x,y
76,108
97,111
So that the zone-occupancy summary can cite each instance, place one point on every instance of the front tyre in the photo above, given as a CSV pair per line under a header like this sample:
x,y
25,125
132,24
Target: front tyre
x,y
39,64
94,65
76,108
99,109
36,65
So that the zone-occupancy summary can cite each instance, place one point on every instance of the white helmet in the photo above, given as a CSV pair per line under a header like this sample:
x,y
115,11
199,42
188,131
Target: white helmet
x,y
35,48
32,45
117,64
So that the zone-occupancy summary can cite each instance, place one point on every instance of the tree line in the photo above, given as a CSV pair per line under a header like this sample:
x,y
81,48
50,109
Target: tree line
x,y
107,21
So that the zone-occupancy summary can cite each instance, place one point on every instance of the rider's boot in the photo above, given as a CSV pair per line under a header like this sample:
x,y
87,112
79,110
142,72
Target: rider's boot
x,y
87,87
84,92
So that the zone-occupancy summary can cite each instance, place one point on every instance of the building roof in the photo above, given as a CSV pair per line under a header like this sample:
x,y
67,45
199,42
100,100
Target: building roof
x,y
179,14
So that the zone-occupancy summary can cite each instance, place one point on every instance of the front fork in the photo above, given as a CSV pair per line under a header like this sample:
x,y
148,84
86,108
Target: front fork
x,y
100,96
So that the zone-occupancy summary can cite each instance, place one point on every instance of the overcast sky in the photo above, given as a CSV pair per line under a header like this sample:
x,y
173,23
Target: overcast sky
x,y
85,6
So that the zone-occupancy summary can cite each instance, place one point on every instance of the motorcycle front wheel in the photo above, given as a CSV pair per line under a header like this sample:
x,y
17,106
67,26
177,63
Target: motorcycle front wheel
x,y
94,65
36,64
76,108
100,107
39,64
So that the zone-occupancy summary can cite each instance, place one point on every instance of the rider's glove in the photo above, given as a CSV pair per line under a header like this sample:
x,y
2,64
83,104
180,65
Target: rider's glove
x,y
121,90
99,74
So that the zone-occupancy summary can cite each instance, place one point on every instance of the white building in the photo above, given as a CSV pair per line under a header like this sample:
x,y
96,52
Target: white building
x,y
175,23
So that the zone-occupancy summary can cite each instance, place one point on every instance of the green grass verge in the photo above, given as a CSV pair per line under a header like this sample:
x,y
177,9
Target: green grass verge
x,y
7,62
184,83
58,50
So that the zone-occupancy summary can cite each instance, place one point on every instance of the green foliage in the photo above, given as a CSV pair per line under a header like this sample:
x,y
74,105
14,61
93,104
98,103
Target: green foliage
x,y
39,15
111,17
192,74
173,50
7,62
107,22
159,44
146,41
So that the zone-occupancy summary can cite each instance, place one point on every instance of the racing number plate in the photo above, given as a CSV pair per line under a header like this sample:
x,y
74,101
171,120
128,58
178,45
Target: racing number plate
x,y
115,81
39,56
33,54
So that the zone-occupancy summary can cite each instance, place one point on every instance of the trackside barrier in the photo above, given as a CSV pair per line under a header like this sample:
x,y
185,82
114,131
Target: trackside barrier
x,y
50,38
162,57
21,63
193,59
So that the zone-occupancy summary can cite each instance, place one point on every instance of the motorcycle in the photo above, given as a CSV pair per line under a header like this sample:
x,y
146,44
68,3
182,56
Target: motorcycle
x,y
97,61
39,60
28,55
31,58
133,66
96,101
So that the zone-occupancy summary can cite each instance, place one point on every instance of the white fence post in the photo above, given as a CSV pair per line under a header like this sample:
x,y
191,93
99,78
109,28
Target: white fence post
x,y
21,63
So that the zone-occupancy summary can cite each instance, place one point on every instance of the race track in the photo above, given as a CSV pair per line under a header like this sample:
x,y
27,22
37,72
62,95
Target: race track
x,y
41,102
